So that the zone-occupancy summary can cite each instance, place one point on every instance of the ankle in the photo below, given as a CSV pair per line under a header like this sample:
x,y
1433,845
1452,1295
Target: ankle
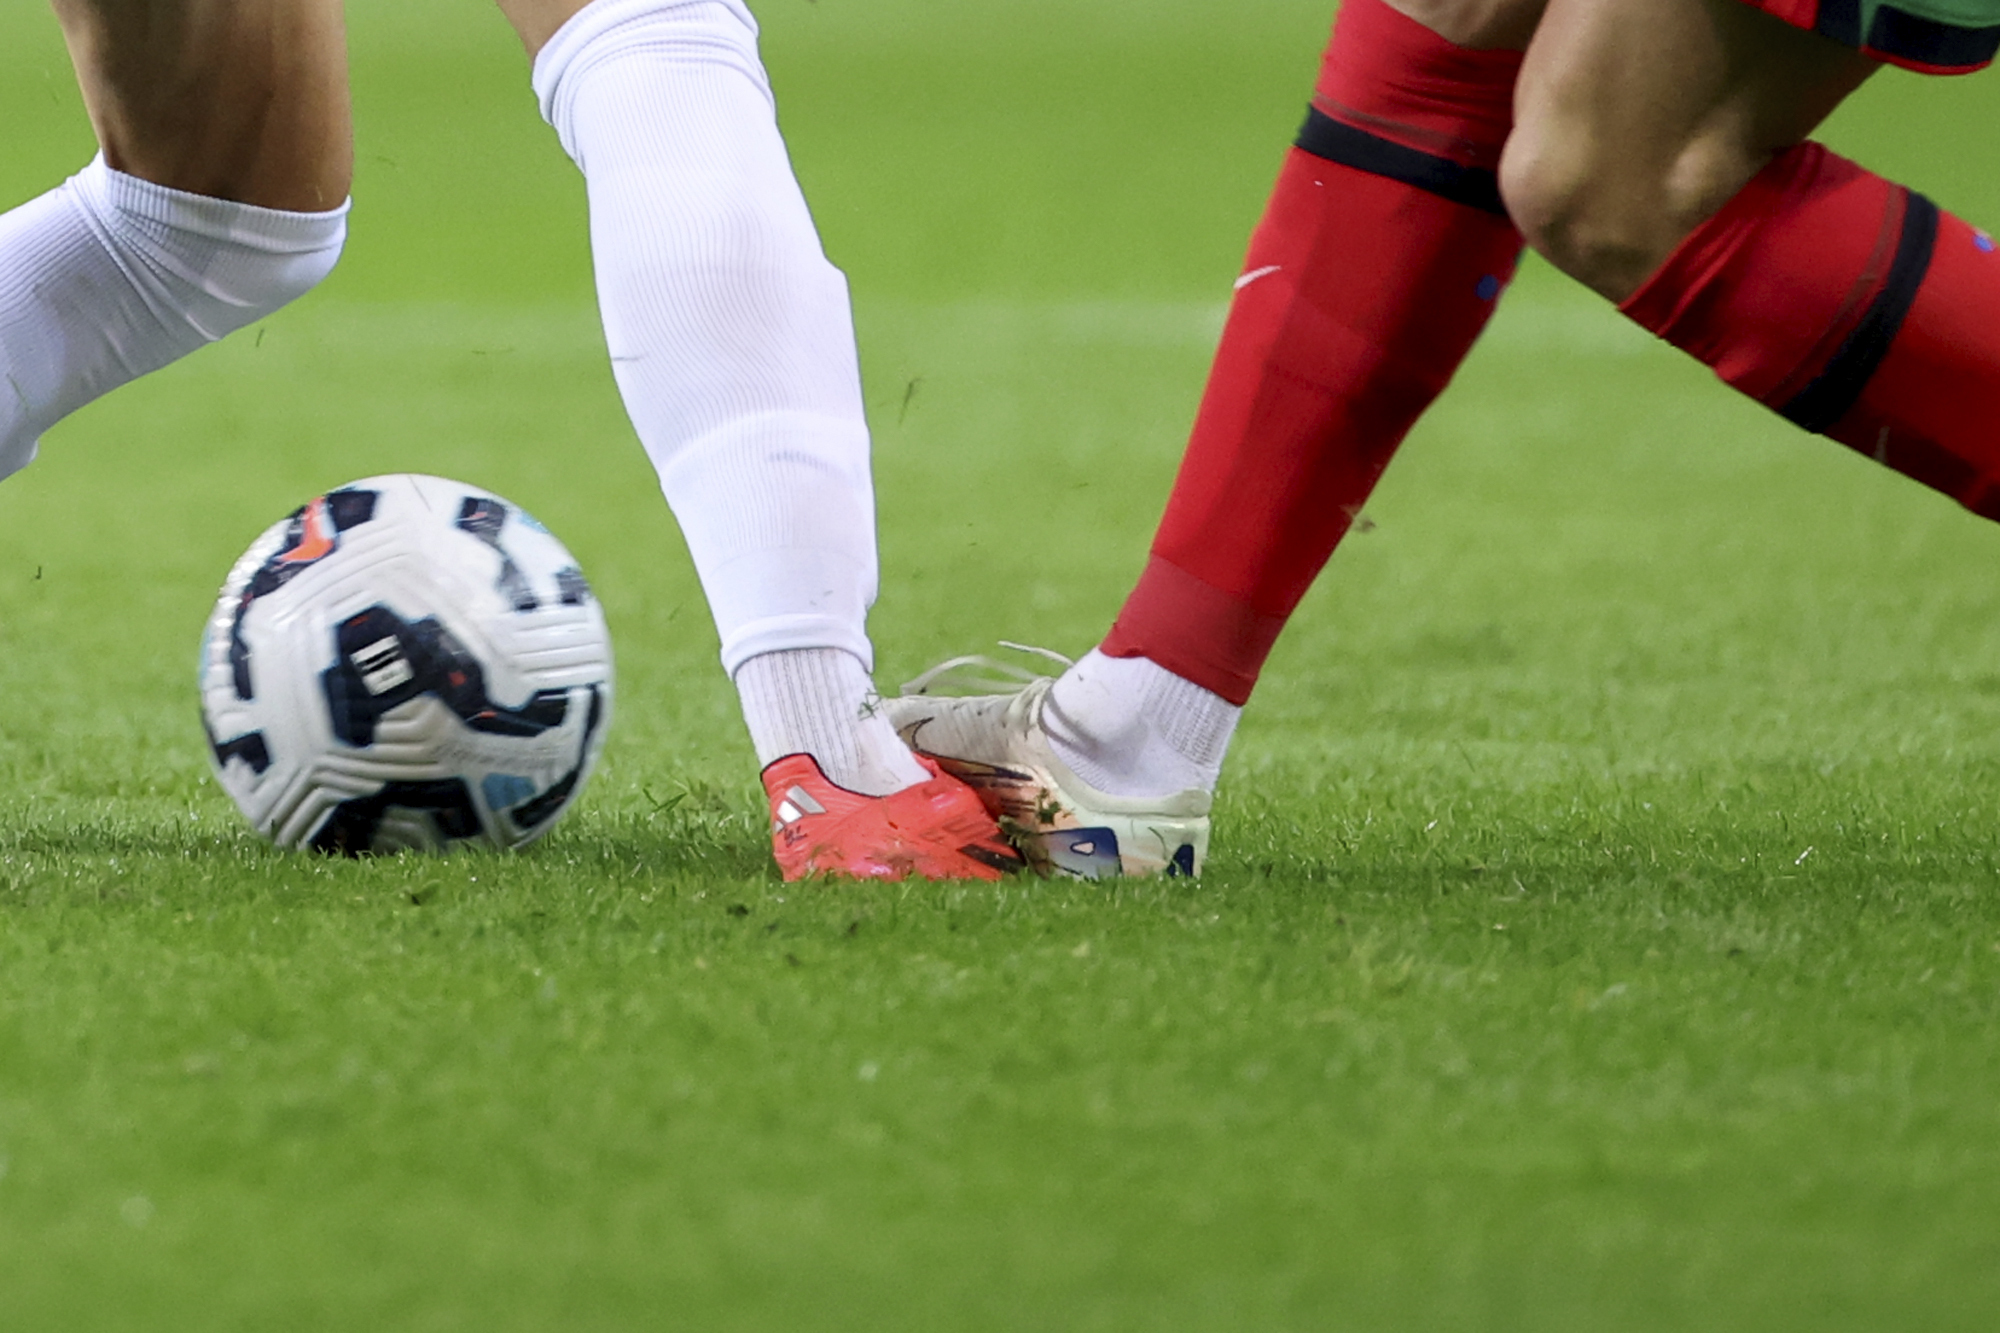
x,y
820,702
1130,727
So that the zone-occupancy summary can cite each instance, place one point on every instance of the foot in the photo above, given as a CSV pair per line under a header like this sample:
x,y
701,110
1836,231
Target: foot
x,y
935,830
996,744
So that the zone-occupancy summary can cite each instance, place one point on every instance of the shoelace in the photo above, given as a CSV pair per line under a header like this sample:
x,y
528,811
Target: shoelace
x,y
978,673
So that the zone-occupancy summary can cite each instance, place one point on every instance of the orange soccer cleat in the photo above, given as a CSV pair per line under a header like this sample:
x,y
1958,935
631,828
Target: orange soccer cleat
x,y
934,830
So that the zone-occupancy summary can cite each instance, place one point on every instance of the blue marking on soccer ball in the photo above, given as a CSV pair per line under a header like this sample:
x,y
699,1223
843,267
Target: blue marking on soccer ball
x,y
505,790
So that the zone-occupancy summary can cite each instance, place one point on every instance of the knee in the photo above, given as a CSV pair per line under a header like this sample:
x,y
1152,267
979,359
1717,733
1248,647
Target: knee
x,y
1609,213
1572,211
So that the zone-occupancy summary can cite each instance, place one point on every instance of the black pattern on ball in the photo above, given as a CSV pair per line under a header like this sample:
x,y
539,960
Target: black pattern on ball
x,y
385,661
249,747
571,586
483,517
351,827
312,533
539,809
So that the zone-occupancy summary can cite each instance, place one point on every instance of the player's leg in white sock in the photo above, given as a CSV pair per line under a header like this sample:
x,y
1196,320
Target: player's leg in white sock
x,y
733,346
1130,727
109,277
230,125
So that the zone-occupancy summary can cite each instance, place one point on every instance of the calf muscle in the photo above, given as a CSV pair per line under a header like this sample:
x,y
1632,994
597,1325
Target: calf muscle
x,y
246,102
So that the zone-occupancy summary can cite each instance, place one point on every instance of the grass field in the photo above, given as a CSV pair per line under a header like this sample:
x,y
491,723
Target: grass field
x,y
1601,930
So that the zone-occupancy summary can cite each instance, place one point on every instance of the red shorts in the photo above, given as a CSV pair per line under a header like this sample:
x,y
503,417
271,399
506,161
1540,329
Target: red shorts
x,y
1898,32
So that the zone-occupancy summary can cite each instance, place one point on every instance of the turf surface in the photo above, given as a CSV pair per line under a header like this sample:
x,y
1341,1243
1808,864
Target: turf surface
x,y
1601,929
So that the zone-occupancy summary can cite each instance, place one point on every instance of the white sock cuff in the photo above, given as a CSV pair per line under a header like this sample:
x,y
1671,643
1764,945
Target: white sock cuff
x,y
605,29
211,265
104,190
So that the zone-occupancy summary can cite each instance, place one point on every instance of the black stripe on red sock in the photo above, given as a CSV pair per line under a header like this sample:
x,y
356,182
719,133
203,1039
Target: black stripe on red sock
x,y
1323,136
1838,387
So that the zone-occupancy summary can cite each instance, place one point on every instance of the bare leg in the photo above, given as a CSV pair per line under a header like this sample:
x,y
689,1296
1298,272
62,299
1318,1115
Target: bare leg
x,y
239,101
1636,120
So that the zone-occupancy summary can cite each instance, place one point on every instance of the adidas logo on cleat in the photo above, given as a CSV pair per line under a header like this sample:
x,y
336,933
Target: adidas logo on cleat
x,y
794,806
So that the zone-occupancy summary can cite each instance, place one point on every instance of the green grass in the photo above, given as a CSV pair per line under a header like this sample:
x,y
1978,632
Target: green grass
x,y
1601,930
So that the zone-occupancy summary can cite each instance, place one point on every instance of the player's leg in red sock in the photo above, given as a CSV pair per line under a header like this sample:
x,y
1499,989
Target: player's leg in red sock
x,y
1379,257
1661,160
1854,307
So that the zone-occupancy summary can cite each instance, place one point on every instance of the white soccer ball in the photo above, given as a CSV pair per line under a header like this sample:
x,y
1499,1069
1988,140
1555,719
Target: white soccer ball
x,y
405,663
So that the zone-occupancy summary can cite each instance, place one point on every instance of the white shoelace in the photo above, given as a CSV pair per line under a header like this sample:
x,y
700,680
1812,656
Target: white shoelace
x,y
981,673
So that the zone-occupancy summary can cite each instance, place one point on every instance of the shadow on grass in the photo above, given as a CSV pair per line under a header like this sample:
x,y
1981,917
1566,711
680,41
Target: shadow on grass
x,y
696,831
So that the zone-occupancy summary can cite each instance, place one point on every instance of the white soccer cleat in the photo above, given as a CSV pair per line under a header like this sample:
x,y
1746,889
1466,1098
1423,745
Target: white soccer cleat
x,y
996,744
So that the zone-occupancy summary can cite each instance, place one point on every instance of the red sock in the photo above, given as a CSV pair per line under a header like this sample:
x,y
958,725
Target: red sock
x,y
1378,260
1856,309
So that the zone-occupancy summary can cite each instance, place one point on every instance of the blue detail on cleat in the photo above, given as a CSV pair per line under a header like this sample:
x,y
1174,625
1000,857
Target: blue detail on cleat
x,y
1183,861
1087,853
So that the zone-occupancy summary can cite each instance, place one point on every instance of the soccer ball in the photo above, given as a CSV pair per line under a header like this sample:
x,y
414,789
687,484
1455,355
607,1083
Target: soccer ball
x,y
405,663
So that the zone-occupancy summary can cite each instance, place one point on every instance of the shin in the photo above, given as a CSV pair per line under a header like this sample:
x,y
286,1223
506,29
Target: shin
x,y
733,347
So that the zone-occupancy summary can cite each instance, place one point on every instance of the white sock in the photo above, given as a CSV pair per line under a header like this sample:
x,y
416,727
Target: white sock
x,y
108,277
819,701
730,333
1130,727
